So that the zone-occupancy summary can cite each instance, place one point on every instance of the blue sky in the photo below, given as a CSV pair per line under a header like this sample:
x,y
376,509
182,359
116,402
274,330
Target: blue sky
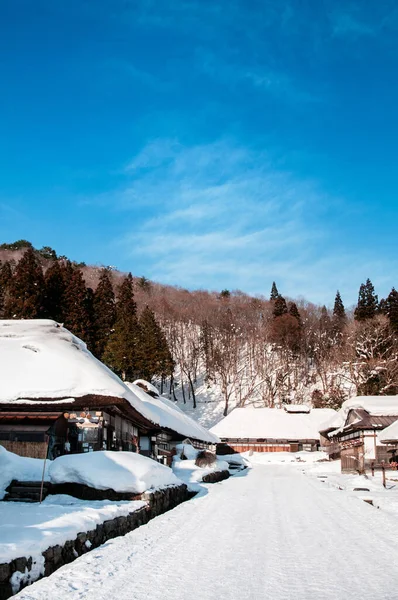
x,y
205,143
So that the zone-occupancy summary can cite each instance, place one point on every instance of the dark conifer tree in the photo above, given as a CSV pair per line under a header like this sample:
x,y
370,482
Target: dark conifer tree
x,y
274,292
225,295
154,354
105,311
392,309
76,314
26,289
54,290
338,309
91,325
5,279
294,312
5,275
280,307
121,352
144,284
324,320
367,302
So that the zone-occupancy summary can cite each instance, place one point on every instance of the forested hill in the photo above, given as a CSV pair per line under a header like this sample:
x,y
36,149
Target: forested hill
x,y
210,351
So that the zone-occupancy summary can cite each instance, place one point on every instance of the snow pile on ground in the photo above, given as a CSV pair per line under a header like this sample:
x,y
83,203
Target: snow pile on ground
x,y
167,414
119,471
272,423
29,529
235,460
188,471
264,458
13,466
364,487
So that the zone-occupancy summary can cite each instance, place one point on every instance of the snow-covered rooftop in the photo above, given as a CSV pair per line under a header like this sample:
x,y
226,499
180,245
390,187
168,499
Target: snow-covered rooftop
x,y
165,413
272,423
390,433
42,361
374,405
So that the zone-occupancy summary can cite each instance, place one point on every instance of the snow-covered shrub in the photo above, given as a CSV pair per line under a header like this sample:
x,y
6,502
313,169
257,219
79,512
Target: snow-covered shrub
x,y
205,459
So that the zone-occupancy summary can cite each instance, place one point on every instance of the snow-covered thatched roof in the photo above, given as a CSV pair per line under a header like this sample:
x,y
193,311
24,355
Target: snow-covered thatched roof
x,y
376,406
40,359
389,434
165,413
42,362
272,423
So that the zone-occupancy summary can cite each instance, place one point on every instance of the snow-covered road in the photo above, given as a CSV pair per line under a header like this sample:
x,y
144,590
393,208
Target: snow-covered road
x,y
270,533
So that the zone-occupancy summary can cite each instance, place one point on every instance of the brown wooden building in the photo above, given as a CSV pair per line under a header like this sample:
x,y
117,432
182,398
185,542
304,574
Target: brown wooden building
x,y
57,398
355,435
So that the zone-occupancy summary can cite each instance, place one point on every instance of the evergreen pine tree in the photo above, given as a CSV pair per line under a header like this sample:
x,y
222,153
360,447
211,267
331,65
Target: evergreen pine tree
x,y
280,307
274,292
76,314
54,290
367,302
324,320
26,288
392,309
154,357
121,352
338,309
105,311
144,284
5,279
91,338
294,312
5,275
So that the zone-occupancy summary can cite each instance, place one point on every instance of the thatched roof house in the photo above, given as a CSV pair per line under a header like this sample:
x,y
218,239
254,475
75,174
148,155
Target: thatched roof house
x,y
52,384
288,429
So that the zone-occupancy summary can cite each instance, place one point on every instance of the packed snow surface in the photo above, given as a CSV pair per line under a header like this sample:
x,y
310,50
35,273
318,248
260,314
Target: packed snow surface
x,y
272,423
166,413
29,529
13,466
269,532
119,471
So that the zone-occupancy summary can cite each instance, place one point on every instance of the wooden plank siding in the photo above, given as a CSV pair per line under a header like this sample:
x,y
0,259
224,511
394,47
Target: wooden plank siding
x,y
27,449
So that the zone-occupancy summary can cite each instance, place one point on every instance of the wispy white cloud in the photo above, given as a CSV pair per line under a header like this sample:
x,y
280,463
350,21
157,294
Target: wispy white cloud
x,y
220,215
348,24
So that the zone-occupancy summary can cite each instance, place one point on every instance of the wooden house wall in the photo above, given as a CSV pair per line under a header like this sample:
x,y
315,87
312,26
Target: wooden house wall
x,y
27,449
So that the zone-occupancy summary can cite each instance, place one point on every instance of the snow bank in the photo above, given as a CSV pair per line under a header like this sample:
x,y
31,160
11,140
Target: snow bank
x,y
119,471
165,413
29,529
235,459
263,458
188,471
13,466
272,423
